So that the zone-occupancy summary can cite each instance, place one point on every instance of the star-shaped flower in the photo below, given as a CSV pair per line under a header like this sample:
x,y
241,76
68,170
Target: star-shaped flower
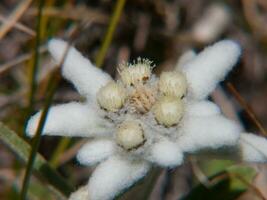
x,y
142,119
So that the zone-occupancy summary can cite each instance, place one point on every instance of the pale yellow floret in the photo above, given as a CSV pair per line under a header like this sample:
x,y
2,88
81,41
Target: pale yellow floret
x,y
139,72
168,110
172,84
130,135
111,96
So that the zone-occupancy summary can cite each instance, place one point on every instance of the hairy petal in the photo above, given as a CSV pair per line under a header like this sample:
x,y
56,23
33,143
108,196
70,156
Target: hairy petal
x,y
71,119
79,70
96,151
210,132
210,67
113,176
166,154
202,108
253,148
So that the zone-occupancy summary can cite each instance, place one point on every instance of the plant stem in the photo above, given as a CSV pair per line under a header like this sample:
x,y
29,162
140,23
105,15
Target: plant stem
x,y
110,32
35,59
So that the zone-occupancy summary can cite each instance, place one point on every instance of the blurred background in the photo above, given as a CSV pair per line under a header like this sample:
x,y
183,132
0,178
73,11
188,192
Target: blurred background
x,y
109,32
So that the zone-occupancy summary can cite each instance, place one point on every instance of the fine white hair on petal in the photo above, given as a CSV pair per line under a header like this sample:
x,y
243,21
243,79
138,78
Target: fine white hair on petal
x,y
96,151
253,148
184,58
114,175
166,154
71,119
209,67
79,70
202,108
209,132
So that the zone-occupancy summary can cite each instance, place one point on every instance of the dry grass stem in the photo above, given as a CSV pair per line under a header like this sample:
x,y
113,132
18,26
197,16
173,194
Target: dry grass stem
x,y
19,26
14,17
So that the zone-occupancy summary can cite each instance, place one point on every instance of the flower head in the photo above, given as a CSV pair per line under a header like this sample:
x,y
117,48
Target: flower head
x,y
141,119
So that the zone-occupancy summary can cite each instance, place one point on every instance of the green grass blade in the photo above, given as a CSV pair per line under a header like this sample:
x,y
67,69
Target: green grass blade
x,y
109,34
41,168
63,144
33,81
51,88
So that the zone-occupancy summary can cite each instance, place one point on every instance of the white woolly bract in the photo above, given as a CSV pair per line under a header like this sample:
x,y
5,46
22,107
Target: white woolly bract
x,y
96,151
212,24
212,132
71,119
209,67
166,154
253,148
79,70
113,176
202,108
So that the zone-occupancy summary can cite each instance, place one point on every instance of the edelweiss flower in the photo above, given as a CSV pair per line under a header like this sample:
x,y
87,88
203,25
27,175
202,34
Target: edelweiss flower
x,y
141,119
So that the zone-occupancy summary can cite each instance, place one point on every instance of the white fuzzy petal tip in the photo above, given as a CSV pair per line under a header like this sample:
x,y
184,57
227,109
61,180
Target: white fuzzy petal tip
x,y
210,66
71,119
253,148
166,154
210,132
113,176
79,70
57,48
96,151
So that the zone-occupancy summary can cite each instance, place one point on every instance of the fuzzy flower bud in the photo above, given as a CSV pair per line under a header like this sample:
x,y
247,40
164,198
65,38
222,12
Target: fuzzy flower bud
x,y
111,96
135,73
172,84
168,110
130,135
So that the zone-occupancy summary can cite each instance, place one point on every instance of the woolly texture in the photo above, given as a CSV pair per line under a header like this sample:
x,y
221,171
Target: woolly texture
x,y
166,154
71,119
96,151
208,132
113,176
202,108
253,148
159,136
209,67
80,71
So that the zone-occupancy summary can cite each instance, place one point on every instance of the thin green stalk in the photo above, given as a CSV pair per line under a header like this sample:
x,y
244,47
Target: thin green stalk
x,y
53,82
50,90
109,34
33,81
63,144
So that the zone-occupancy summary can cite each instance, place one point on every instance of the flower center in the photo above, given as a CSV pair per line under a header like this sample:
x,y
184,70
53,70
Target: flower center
x,y
142,98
